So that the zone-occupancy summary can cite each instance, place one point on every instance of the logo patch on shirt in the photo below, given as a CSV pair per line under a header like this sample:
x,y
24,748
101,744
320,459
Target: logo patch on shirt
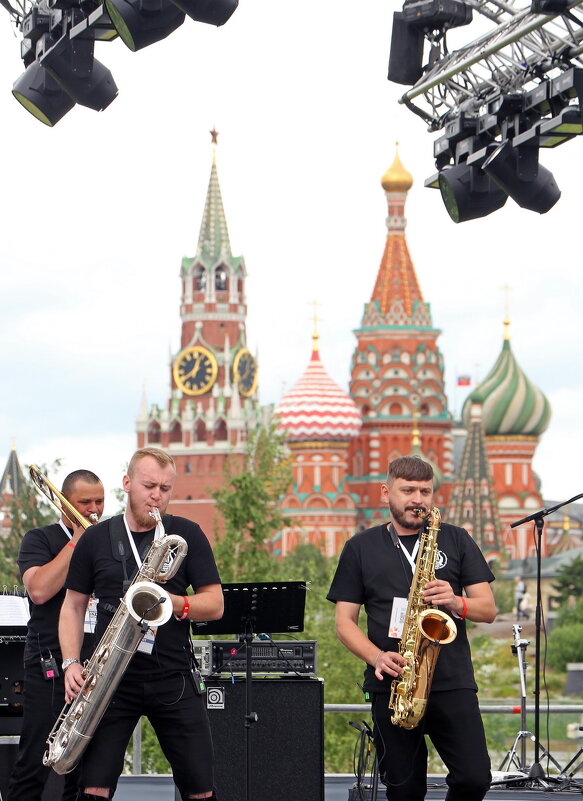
x,y
440,560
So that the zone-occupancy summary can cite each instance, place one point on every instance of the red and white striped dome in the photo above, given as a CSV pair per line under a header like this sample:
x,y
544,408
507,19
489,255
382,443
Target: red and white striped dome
x,y
316,408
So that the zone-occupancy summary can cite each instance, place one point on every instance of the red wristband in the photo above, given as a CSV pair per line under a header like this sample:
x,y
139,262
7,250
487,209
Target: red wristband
x,y
465,608
71,543
184,614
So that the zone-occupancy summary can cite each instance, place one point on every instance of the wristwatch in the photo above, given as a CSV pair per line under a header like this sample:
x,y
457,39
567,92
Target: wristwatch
x,y
68,662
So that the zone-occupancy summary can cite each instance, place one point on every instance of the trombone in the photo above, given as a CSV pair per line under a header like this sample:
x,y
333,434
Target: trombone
x,y
57,498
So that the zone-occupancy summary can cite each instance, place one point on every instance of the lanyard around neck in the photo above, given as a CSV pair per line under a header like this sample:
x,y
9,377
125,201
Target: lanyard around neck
x,y
157,534
411,557
65,529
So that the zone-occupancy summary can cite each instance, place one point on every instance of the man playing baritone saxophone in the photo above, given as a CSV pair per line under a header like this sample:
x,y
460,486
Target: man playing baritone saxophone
x,y
158,682
376,569
43,560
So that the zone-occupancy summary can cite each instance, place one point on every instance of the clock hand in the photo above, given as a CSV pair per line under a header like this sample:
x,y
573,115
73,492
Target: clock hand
x,y
194,369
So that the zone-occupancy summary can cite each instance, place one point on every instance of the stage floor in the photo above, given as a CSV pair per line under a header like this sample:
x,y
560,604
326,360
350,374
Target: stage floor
x,y
337,788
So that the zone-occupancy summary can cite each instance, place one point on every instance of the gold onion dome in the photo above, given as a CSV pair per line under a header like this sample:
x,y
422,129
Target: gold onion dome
x,y
396,178
511,404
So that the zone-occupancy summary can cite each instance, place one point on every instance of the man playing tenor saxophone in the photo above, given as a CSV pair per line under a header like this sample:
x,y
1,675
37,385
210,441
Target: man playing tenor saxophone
x,y
159,681
381,568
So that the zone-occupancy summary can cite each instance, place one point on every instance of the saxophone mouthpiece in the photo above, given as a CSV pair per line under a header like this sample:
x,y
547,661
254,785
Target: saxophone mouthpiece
x,y
155,513
420,511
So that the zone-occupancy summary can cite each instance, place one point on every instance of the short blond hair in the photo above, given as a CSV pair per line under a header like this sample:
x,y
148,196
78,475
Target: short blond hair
x,y
164,459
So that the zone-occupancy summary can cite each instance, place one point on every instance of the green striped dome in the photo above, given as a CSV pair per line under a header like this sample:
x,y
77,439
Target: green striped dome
x,y
512,405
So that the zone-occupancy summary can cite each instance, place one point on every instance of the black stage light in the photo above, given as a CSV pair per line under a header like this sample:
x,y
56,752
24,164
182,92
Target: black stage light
x,y
518,173
41,95
549,6
70,62
213,12
559,129
468,194
141,23
406,54
437,14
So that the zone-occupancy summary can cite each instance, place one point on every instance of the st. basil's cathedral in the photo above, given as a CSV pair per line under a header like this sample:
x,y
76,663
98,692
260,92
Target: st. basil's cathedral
x,y
340,442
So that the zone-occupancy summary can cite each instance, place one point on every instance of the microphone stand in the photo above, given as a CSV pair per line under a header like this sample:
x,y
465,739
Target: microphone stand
x,y
536,772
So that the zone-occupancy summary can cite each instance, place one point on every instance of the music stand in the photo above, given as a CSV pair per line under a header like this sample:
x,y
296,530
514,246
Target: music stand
x,y
275,607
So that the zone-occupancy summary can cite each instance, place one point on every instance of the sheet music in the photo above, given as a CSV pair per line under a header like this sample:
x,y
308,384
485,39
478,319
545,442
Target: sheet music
x,y
14,611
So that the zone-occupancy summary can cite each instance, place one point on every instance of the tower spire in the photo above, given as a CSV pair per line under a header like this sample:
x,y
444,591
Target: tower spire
x,y
315,334
213,239
397,297
506,289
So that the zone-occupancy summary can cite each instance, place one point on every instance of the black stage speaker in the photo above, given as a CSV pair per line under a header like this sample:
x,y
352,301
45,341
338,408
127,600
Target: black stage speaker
x,y
287,742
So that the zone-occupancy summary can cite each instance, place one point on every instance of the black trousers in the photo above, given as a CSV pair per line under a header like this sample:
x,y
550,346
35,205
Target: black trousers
x,y
454,725
180,720
43,701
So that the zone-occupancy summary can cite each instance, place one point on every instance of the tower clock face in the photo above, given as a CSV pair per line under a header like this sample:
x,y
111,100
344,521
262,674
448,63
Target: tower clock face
x,y
245,372
195,370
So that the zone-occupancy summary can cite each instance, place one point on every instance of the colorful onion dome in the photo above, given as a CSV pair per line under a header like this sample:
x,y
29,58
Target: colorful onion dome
x,y
396,178
316,408
511,404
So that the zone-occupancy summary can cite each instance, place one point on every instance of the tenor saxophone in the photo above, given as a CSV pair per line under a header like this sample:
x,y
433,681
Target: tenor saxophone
x,y
425,630
144,604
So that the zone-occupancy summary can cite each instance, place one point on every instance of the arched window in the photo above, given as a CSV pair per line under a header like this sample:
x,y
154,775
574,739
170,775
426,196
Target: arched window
x,y
220,430
154,433
200,279
175,432
200,431
221,278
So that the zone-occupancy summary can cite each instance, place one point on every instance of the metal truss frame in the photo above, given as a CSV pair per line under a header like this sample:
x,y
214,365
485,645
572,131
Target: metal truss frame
x,y
512,57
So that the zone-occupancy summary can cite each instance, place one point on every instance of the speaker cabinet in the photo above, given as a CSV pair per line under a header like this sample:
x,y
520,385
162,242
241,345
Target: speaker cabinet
x,y
287,741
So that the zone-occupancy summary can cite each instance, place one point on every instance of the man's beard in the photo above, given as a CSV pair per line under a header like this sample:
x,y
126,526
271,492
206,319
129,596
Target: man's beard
x,y
399,517
141,517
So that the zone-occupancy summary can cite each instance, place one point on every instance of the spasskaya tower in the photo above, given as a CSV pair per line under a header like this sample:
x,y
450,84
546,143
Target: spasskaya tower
x,y
213,376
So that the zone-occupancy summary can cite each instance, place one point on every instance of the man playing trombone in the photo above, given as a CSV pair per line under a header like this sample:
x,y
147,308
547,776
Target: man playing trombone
x,y
43,560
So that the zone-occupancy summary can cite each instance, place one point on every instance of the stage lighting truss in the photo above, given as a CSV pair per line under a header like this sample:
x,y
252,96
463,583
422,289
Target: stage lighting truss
x,y
514,55
520,82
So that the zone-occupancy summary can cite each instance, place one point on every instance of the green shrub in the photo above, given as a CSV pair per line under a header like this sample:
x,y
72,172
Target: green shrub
x,y
569,615
503,591
565,645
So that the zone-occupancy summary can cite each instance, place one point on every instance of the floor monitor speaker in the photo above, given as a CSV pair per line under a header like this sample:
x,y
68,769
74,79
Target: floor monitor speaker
x,y
287,741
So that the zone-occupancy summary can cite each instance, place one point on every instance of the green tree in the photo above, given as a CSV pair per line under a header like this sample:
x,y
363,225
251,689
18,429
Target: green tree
x,y
248,506
28,510
565,645
569,583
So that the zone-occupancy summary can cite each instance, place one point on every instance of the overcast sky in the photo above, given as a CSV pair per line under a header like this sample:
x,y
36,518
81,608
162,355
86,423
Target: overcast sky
x,y
98,212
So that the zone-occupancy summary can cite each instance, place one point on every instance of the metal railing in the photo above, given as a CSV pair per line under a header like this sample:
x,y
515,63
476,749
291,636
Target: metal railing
x,y
484,708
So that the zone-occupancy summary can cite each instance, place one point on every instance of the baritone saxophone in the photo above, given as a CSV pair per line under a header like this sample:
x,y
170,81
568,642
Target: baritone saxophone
x,y
144,604
425,630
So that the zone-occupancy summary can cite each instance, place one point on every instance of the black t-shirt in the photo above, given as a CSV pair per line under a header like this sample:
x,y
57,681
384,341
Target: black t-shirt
x,y
39,546
372,571
93,569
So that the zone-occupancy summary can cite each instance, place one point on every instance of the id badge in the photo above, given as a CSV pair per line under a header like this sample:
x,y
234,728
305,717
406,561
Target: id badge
x,y
90,620
147,644
398,617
